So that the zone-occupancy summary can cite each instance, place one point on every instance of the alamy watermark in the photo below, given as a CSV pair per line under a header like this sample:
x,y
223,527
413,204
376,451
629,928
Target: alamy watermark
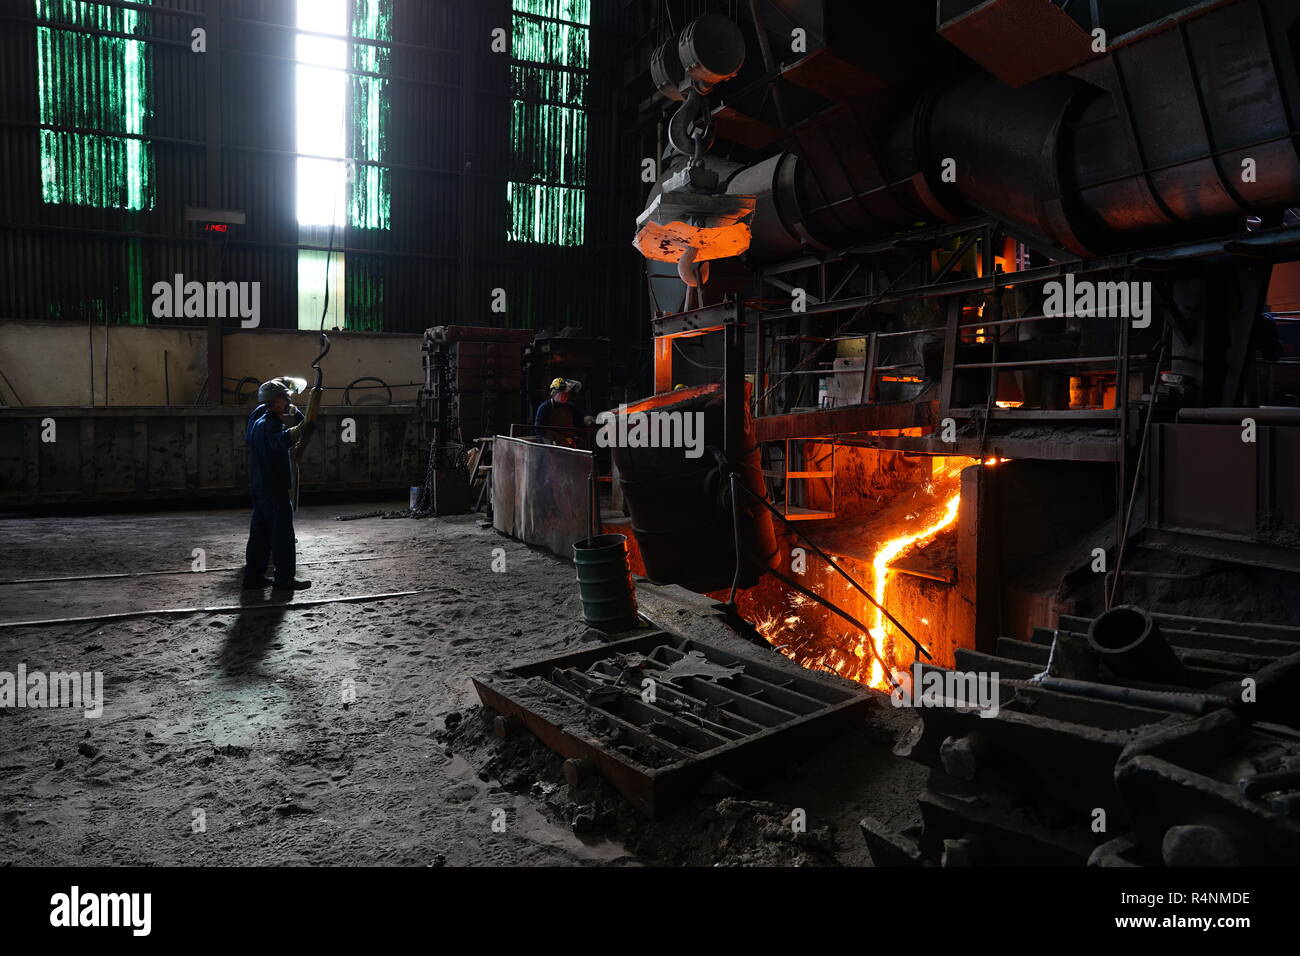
x,y
1083,298
624,429
83,690
74,909
208,300
967,690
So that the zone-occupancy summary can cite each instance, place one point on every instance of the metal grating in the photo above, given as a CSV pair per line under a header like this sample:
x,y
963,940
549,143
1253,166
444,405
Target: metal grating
x,y
658,713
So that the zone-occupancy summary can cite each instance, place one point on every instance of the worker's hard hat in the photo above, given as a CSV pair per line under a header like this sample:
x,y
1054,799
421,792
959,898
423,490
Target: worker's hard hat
x,y
271,390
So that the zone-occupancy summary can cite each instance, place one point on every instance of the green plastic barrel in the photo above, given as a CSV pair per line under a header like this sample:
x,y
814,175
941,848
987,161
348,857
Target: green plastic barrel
x,y
605,582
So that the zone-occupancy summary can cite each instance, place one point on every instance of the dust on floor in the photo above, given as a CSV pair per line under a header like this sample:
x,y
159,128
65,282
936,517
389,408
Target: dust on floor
x,y
345,733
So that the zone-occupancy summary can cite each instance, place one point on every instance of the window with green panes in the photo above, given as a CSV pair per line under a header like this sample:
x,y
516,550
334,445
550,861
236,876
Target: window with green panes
x,y
93,94
550,50
369,201
343,106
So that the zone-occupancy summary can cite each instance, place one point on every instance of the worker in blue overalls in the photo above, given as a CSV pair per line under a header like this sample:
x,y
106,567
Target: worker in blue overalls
x,y
274,428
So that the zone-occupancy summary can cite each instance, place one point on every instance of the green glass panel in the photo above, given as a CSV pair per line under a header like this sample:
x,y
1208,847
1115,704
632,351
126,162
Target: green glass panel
x,y
575,11
560,87
548,125
548,214
545,41
365,295
98,84
370,195
549,143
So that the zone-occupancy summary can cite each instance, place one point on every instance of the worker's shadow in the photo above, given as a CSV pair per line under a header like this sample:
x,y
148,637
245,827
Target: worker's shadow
x,y
253,632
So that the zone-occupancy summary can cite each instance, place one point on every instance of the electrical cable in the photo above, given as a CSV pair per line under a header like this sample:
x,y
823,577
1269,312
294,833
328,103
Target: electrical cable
x,y
347,392
684,357
239,389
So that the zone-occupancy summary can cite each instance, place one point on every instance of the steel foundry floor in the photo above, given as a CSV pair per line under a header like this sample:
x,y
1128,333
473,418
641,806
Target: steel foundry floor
x,y
238,719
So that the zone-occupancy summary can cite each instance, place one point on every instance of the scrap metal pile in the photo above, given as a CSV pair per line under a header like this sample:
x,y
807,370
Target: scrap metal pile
x,y
1129,740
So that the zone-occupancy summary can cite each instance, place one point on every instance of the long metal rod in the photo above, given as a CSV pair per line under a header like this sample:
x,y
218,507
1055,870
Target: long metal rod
x,y
834,609
151,574
1020,321
1122,436
107,402
218,609
90,358
5,378
1137,476
838,570
593,504
735,531
1039,363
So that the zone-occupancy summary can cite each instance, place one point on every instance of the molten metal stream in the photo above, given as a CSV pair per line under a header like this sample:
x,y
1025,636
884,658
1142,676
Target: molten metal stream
x,y
815,650
888,553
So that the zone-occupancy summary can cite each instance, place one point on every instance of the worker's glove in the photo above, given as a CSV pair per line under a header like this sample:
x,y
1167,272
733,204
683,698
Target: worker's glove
x,y
300,433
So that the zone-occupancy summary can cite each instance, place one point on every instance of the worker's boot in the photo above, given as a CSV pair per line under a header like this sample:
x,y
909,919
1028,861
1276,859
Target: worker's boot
x,y
252,580
291,586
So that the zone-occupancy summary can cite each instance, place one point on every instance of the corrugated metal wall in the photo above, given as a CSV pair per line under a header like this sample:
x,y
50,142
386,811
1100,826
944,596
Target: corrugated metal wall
x,y
446,141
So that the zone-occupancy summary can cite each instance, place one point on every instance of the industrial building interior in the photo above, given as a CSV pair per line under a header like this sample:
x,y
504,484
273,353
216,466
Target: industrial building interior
x,y
681,433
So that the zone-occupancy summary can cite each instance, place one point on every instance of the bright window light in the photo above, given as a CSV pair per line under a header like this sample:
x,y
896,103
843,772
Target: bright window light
x,y
322,109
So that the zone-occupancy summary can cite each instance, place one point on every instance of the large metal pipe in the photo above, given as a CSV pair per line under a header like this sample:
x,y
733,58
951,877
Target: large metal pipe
x,y
1235,416
1183,132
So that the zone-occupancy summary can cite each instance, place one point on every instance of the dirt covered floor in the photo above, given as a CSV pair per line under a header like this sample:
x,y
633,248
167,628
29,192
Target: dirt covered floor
x,y
348,733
